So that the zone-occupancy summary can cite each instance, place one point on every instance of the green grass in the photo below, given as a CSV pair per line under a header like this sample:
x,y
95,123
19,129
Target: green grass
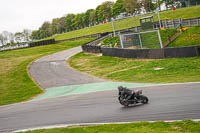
x,y
186,126
149,40
15,83
190,12
189,37
138,70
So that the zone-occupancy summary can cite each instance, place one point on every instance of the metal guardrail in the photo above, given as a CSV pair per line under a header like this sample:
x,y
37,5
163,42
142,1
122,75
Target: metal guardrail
x,y
175,23
93,47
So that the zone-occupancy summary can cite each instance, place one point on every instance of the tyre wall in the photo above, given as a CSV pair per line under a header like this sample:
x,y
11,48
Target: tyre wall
x,y
153,53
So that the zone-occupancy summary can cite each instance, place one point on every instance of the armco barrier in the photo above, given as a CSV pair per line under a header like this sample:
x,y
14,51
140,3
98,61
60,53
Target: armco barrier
x,y
40,43
92,47
153,53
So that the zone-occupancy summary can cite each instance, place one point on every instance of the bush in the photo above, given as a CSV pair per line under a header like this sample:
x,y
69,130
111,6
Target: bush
x,y
112,41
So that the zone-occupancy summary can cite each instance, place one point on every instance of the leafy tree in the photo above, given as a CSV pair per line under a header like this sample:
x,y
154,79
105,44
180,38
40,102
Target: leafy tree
x,y
53,28
78,21
99,14
61,25
132,6
69,22
107,9
1,39
118,8
148,5
44,30
19,37
35,35
92,17
26,34
87,17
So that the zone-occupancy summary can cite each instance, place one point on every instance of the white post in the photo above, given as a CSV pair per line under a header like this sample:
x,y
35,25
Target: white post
x,y
189,22
113,25
140,40
135,23
121,41
159,17
160,40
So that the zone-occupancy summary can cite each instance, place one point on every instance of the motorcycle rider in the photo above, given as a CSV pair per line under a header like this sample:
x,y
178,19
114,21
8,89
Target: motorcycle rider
x,y
125,92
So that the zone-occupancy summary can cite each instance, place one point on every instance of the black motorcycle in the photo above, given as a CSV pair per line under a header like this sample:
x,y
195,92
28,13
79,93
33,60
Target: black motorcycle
x,y
129,97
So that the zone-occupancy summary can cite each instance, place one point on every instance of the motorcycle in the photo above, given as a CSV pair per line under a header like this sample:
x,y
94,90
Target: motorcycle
x,y
128,97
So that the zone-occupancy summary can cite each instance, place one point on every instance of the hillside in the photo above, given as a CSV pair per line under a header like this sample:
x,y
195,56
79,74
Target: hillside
x,y
189,37
184,13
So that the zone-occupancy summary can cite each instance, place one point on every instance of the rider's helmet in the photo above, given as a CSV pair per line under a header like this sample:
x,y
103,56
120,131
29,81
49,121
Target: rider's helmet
x,y
120,88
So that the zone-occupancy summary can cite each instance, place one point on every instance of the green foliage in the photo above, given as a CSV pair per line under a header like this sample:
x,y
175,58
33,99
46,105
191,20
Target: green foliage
x,y
132,6
15,83
127,23
111,40
186,126
69,22
99,14
76,22
118,8
149,40
107,9
167,34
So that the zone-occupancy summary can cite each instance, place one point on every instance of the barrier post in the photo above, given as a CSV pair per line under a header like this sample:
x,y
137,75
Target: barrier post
x,y
160,40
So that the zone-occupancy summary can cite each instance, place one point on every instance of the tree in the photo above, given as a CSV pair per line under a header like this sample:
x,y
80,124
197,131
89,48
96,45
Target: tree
x,y
1,40
99,14
107,9
92,17
118,8
26,34
61,25
132,6
87,17
148,5
78,21
19,37
35,35
69,22
44,30
54,26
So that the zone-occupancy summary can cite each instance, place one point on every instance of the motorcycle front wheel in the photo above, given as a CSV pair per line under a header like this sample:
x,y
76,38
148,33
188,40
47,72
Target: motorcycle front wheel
x,y
144,99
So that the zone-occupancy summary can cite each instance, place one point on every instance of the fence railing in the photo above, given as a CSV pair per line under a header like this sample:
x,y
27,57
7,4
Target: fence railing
x,y
175,23
6,48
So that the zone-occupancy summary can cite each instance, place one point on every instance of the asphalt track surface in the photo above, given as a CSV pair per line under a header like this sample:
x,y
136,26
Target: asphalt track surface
x,y
51,71
167,102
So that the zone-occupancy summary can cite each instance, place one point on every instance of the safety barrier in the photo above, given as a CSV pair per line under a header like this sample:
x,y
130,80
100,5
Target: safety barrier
x,y
179,52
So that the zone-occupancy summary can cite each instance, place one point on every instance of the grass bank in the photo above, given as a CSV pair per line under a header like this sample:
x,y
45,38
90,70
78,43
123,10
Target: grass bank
x,y
15,83
183,13
186,126
189,37
168,70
